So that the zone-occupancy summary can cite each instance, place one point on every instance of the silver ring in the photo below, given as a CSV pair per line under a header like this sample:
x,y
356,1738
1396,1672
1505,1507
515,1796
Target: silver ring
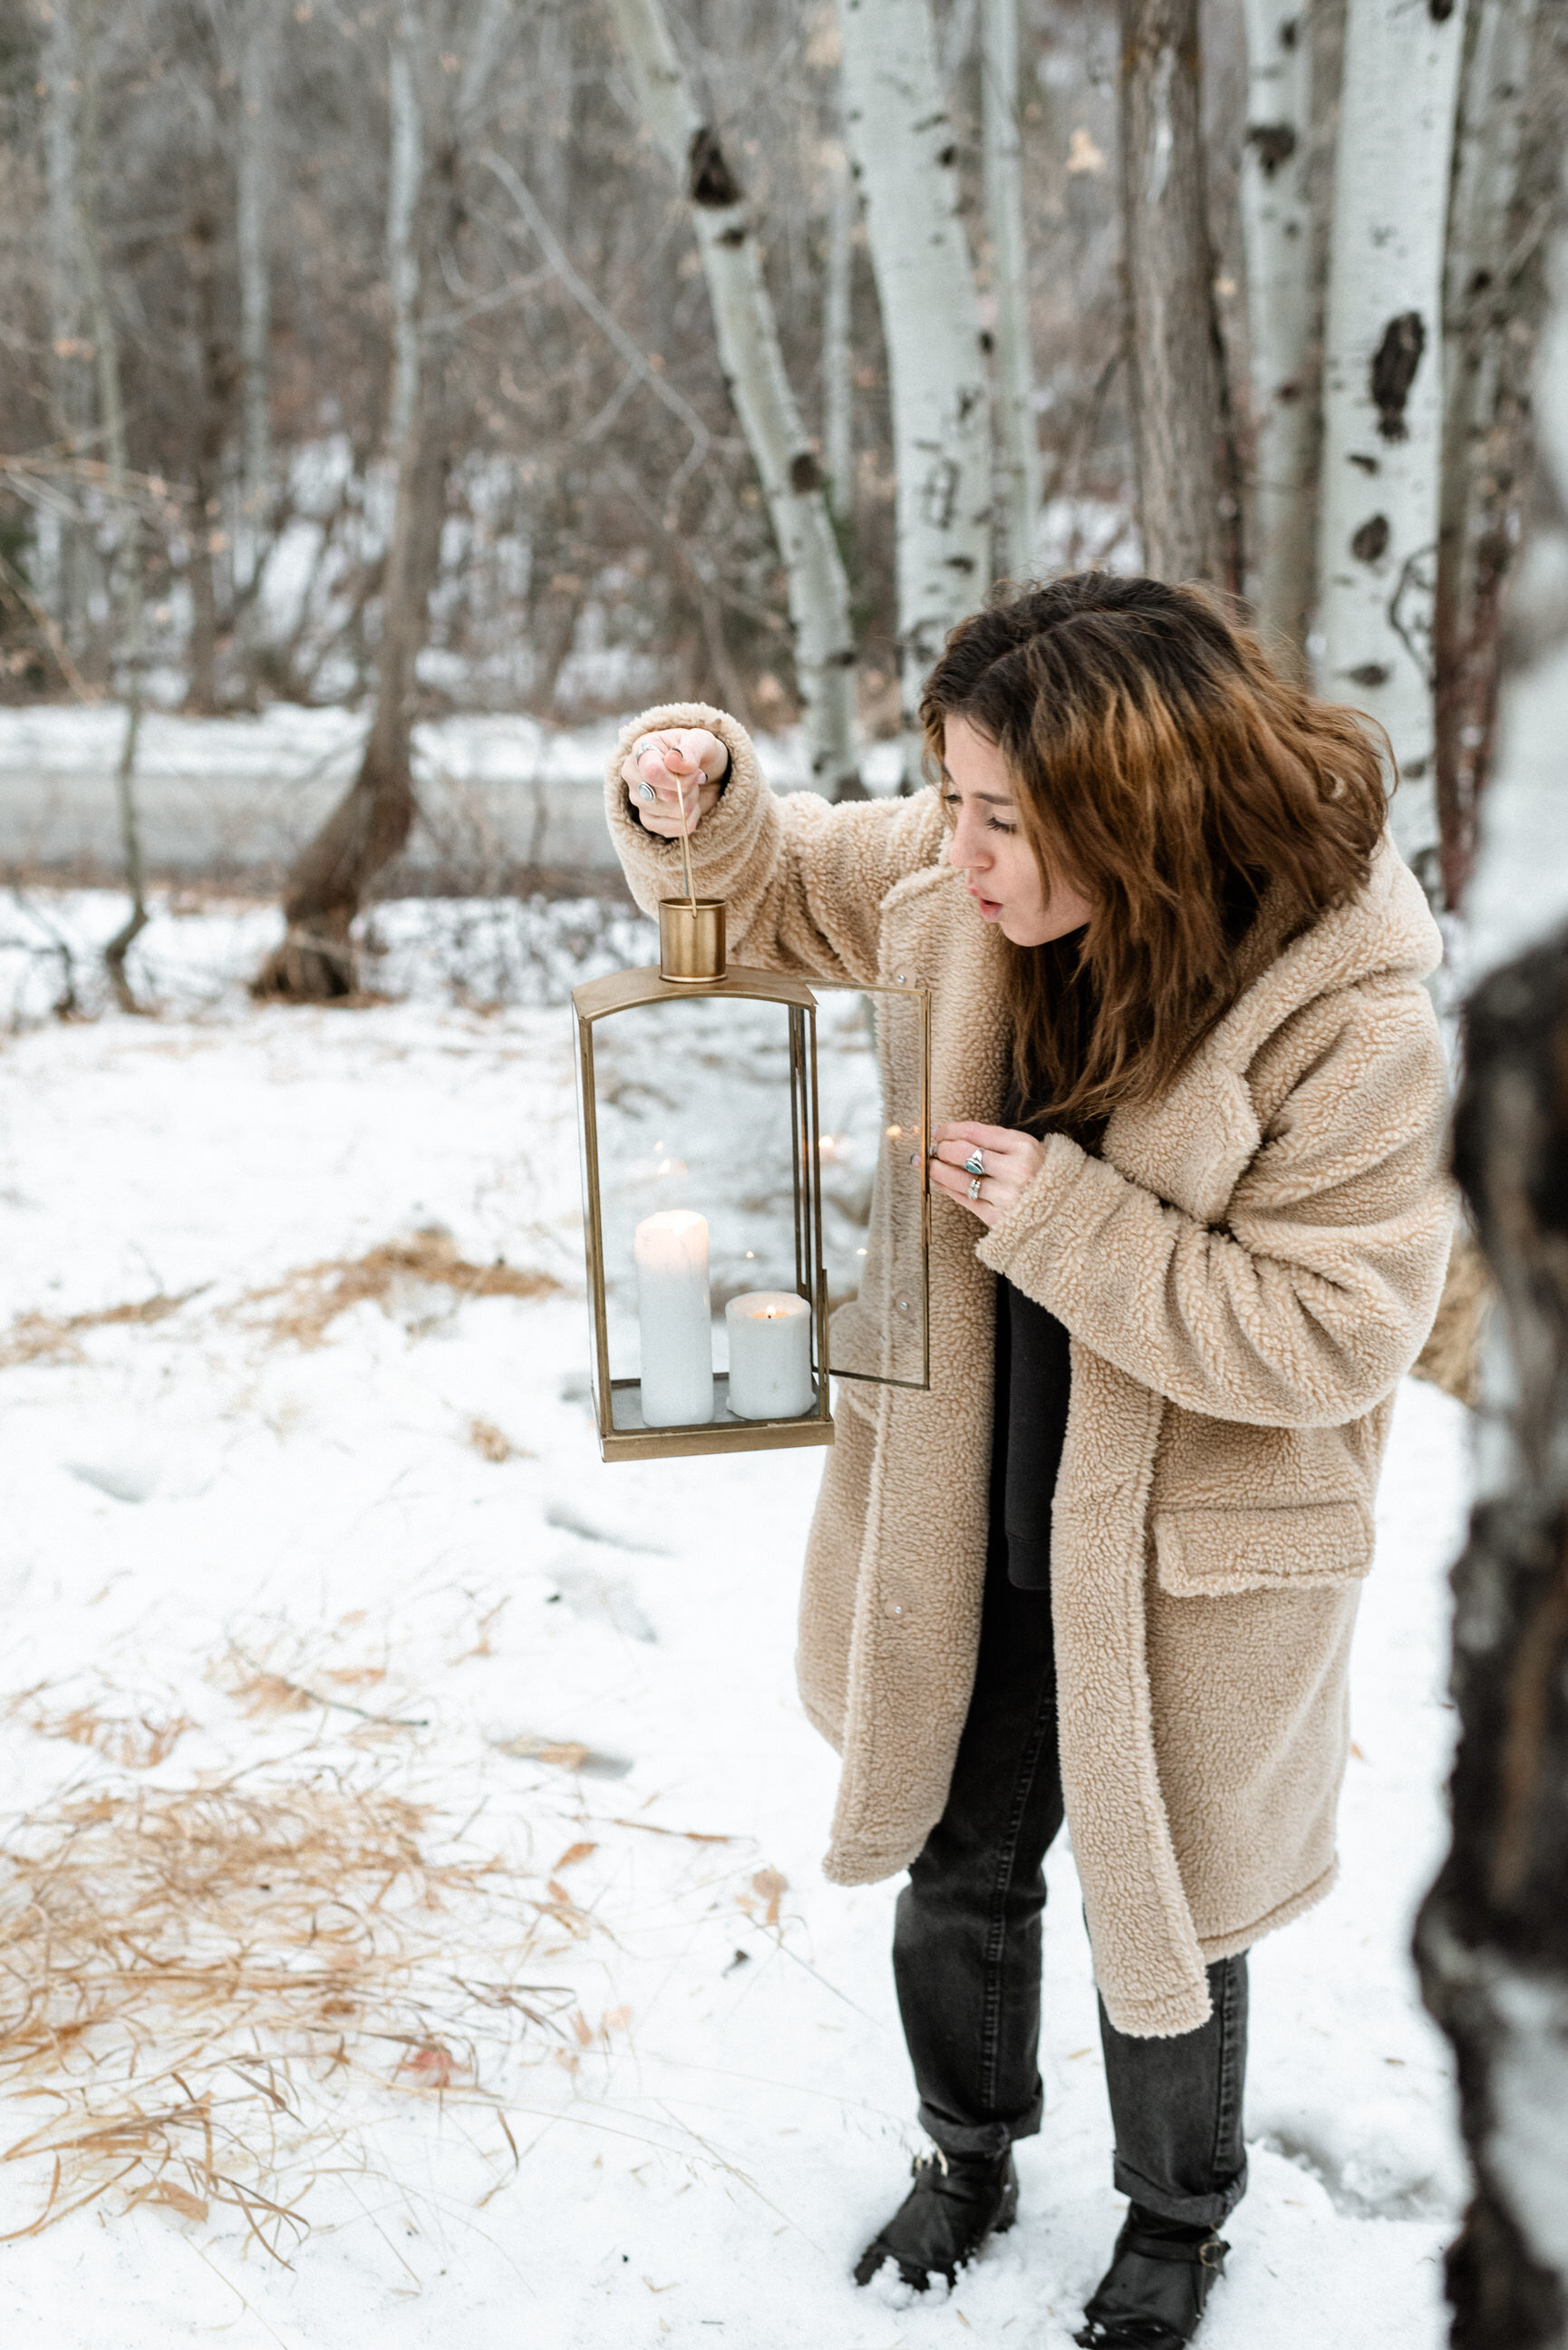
x,y
974,1164
974,1189
645,792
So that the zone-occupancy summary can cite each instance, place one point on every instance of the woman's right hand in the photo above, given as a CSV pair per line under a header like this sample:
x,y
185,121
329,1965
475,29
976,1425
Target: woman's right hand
x,y
672,776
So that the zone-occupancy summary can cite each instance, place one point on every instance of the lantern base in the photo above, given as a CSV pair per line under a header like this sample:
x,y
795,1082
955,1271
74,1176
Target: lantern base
x,y
629,1437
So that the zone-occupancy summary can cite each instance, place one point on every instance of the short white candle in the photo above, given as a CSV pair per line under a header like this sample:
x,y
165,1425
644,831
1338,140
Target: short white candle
x,y
770,1355
674,1317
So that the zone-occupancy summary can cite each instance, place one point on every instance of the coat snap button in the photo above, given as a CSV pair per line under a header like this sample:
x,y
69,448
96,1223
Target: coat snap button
x,y
892,1607
903,1304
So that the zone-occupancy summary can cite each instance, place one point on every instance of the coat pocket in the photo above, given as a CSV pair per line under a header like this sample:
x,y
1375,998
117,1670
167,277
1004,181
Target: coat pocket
x,y
1200,1554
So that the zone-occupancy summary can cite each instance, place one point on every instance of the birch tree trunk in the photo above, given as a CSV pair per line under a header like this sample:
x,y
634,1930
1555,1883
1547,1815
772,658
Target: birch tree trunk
x,y
1284,314
126,599
424,210
1492,303
750,352
1382,364
253,166
1174,371
904,154
837,343
1018,438
71,382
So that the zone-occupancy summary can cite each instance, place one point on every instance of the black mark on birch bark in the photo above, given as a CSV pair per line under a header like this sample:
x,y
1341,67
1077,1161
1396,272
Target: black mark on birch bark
x,y
1275,143
1370,543
708,178
1394,367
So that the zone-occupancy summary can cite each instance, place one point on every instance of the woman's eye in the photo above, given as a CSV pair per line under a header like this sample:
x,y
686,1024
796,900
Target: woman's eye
x,y
994,823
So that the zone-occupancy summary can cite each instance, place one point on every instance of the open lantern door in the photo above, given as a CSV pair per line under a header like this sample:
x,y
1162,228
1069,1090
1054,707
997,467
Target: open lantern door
x,y
754,1160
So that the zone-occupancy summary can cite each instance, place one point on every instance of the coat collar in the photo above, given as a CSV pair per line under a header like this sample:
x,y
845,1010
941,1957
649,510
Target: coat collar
x,y
1193,1143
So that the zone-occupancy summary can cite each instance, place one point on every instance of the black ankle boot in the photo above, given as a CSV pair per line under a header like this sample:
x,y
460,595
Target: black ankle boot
x,y
955,2203
1152,2296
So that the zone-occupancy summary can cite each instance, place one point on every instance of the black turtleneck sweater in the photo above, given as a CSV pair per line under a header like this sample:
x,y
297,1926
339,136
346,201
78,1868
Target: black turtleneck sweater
x,y
1032,1368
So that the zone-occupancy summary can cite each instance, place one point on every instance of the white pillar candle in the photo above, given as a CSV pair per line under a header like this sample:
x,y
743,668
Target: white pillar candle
x,y
674,1317
770,1355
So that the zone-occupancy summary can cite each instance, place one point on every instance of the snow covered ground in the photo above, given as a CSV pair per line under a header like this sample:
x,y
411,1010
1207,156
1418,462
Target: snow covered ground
x,y
391,1565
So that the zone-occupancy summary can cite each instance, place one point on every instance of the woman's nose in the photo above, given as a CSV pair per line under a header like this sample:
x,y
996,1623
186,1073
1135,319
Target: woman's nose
x,y
967,845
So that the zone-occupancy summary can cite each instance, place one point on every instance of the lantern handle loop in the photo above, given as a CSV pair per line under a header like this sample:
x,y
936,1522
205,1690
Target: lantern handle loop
x,y
686,844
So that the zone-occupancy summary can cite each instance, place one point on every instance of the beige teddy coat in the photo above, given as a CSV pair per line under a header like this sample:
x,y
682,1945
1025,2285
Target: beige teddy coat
x,y
1245,1272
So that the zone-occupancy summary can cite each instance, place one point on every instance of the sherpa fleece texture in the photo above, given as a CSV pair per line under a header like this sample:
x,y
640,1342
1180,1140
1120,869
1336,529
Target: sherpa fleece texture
x,y
1246,1271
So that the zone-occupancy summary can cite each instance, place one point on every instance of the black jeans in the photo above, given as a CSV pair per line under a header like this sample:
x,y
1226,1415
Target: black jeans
x,y
966,1955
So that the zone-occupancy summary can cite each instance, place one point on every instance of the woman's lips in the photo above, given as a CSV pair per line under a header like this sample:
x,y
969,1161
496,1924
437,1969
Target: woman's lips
x,y
990,906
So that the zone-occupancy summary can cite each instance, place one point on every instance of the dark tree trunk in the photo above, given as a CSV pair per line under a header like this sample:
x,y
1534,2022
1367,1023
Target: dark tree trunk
x,y
1492,1936
331,876
216,376
1184,467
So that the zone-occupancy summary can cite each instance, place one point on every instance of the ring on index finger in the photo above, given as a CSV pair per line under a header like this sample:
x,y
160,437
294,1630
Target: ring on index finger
x,y
974,1164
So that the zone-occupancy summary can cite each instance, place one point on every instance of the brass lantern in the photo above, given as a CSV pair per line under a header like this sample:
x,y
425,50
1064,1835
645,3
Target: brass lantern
x,y
739,1174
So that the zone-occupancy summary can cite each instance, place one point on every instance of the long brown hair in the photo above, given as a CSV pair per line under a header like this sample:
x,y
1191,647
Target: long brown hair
x,y
1162,764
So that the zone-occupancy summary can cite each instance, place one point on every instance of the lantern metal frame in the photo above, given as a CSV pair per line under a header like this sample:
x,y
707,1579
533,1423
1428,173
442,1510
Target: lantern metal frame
x,y
624,991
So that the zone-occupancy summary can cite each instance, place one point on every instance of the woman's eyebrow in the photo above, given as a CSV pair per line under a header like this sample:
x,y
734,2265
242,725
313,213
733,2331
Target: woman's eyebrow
x,y
992,799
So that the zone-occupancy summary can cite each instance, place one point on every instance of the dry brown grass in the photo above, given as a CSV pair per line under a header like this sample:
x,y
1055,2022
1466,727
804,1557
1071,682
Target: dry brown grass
x,y
317,1294
492,1443
1450,1359
190,1980
132,1742
50,1339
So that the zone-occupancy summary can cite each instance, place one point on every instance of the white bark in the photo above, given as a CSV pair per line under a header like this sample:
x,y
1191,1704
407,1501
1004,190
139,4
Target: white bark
x,y
753,360
1018,441
493,25
1282,311
126,572
405,179
253,200
1381,405
64,587
902,144
837,344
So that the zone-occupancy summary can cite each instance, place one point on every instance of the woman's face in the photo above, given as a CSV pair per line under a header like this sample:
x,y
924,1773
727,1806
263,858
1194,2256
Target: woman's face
x,y
990,848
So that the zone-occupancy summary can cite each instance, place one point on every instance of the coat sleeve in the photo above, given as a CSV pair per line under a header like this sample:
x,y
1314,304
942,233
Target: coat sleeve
x,y
803,880
1311,1301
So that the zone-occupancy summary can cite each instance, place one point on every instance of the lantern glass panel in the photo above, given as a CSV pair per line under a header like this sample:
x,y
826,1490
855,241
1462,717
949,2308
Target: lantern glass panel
x,y
872,1076
696,1111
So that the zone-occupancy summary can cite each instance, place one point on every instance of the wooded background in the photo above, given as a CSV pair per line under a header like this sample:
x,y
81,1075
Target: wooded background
x,y
512,355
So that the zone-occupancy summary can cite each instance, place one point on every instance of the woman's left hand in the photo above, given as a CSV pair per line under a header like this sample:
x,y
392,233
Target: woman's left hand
x,y
1009,1163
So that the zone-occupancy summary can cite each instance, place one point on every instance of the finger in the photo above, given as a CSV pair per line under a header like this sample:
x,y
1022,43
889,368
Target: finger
x,y
989,1138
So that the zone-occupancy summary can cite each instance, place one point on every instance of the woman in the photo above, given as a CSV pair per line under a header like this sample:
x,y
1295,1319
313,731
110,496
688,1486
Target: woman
x,y
1190,1231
